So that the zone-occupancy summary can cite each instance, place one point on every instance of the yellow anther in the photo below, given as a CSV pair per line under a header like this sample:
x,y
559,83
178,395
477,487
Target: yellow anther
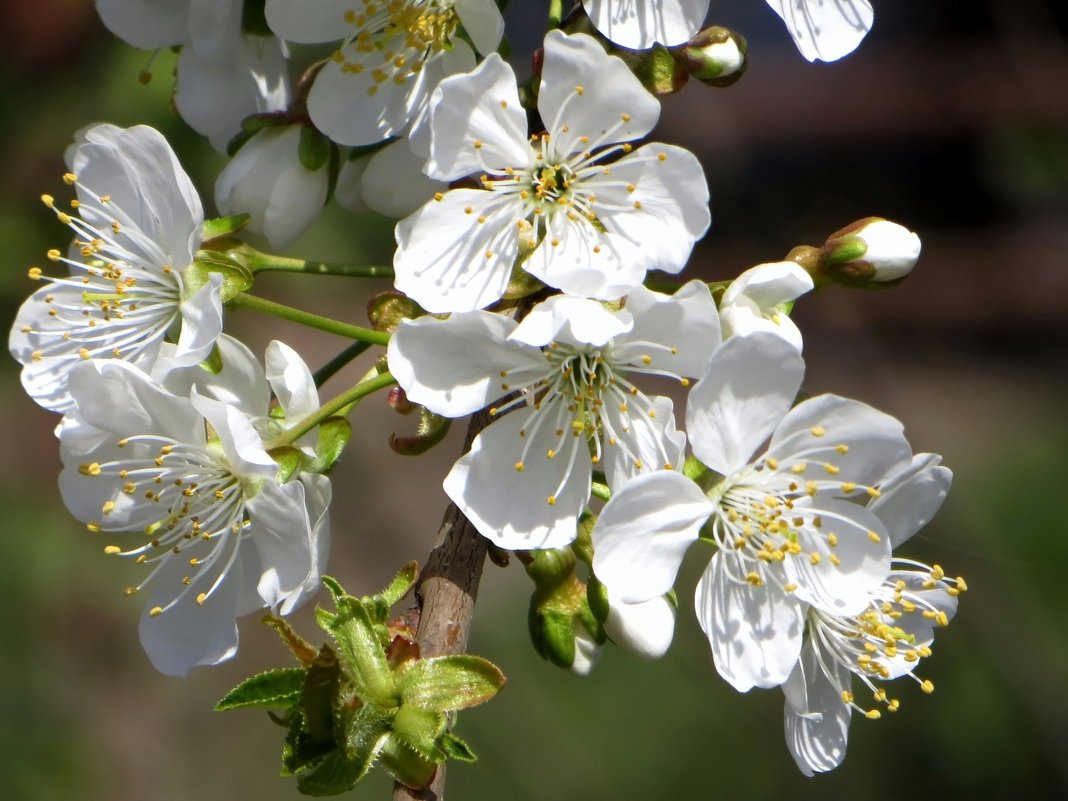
x,y
520,467
108,507
89,469
34,273
874,493
937,573
53,254
155,611
581,90
69,178
551,500
848,487
661,156
842,449
832,539
874,536
754,578
927,686
799,468
130,591
847,696
789,587
873,714
961,585
439,196
817,431
834,559
831,470
201,598
814,558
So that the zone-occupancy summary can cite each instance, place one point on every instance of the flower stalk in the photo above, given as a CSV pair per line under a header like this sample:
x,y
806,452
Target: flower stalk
x,y
247,301
331,408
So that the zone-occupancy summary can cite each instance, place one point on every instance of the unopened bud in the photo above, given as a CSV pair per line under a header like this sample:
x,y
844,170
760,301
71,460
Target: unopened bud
x,y
872,251
660,72
587,652
715,56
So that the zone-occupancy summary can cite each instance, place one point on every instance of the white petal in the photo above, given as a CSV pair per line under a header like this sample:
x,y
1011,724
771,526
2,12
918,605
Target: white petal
x,y
581,260
816,737
146,24
281,533
640,25
645,629
240,383
483,22
213,25
510,507
750,385
354,109
441,260
863,560
477,123
238,437
643,442
911,497
291,381
769,285
609,91
825,30
755,632
875,442
574,321
742,319
643,533
587,652
190,634
685,324
202,324
348,192
394,183
296,21
453,367
666,212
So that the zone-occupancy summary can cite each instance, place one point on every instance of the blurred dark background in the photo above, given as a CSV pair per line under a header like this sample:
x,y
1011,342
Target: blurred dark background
x,y
951,118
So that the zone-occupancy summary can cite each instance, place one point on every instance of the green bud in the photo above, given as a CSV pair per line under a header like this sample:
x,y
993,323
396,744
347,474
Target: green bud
x,y
657,69
334,434
871,253
716,56
386,309
314,149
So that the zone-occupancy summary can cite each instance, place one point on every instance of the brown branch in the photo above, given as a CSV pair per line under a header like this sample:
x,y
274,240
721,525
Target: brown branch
x,y
445,598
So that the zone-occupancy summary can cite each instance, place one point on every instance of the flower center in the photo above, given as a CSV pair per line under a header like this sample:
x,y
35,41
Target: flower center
x,y
183,497
395,38
118,300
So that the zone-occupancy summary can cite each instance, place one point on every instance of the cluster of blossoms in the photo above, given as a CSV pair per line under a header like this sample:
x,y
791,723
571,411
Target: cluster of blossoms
x,y
529,219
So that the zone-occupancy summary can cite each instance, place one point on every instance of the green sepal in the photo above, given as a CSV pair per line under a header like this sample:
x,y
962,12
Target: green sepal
x,y
289,461
314,149
449,683
431,430
553,633
311,724
386,309
521,284
597,598
844,250
236,277
419,728
657,69
224,226
582,547
214,363
405,765
455,748
334,434
703,476
274,688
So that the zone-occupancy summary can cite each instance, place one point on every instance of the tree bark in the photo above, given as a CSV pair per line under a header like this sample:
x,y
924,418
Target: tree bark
x,y
445,597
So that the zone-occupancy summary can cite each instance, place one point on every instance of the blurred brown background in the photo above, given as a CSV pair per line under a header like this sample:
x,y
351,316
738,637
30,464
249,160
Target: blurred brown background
x,y
951,118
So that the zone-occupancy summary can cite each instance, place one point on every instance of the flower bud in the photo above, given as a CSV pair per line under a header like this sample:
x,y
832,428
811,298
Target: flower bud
x,y
280,179
715,56
563,629
645,629
869,252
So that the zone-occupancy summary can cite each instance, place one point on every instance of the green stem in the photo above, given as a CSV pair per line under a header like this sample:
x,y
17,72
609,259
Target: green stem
x,y
600,491
261,262
331,368
368,335
331,408
556,13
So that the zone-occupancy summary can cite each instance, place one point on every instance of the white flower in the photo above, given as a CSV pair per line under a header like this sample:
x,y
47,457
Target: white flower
x,y
754,300
825,29
223,74
187,477
527,476
585,220
137,223
885,641
785,525
639,24
267,180
391,57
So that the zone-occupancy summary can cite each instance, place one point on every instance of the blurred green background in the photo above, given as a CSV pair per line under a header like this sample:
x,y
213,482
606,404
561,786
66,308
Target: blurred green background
x,y
951,118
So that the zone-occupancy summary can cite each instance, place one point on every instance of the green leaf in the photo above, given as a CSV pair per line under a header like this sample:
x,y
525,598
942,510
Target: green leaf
x,y
401,585
304,651
455,748
419,729
224,226
448,683
335,774
363,654
405,765
273,688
